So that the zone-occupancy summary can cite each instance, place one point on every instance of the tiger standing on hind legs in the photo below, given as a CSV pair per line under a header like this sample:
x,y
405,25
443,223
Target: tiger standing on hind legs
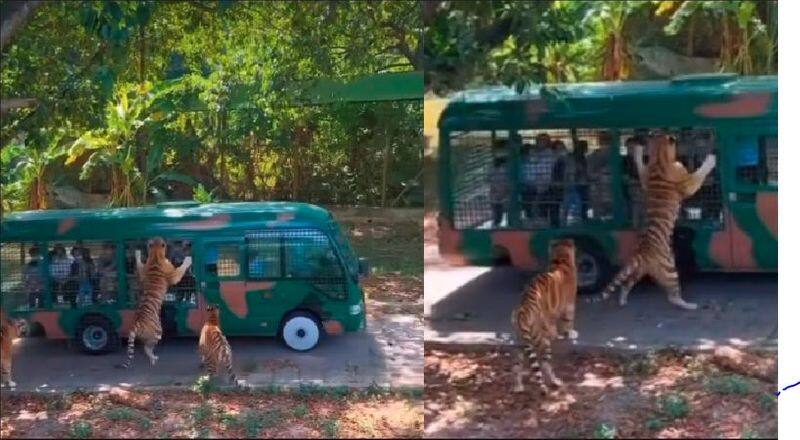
x,y
10,329
666,183
547,312
156,275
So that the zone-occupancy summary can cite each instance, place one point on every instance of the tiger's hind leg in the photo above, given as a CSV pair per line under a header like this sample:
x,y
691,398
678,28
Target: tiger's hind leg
x,y
149,345
667,277
566,323
627,286
535,366
518,369
547,366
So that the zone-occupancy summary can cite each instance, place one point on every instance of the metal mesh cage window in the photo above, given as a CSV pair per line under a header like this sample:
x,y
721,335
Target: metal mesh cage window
x,y
757,160
177,250
226,261
22,276
264,254
481,186
309,254
692,147
82,274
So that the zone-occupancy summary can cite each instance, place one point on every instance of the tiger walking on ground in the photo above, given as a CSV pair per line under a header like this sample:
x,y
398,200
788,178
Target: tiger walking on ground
x,y
155,276
547,312
10,329
666,184
215,352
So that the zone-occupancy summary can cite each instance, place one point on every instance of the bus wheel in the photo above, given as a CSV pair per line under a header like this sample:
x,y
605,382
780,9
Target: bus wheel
x,y
300,331
95,335
592,267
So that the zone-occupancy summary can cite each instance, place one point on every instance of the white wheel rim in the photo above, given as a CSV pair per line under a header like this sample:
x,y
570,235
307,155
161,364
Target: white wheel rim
x,y
301,333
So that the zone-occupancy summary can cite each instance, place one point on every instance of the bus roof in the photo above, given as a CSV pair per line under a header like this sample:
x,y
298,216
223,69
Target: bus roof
x,y
175,218
687,99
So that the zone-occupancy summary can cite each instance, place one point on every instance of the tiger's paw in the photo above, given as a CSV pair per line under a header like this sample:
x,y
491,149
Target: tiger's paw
x,y
572,334
138,255
121,366
153,360
11,384
556,382
187,261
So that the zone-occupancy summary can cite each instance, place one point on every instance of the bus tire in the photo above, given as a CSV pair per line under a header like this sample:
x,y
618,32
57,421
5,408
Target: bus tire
x,y
300,330
96,335
593,268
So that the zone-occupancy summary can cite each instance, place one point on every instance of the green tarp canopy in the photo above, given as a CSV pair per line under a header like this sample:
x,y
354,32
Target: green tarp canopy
x,y
369,88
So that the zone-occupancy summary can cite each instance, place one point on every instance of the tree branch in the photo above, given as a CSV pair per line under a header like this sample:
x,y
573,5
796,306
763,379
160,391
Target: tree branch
x,y
20,12
14,103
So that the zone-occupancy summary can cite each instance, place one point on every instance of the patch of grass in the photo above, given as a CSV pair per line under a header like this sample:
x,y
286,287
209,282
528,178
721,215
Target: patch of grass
x,y
731,384
655,424
645,365
309,390
339,392
605,430
413,393
80,429
204,386
767,401
228,420
748,432
59,402
674,406
374,390
330,428
125,413
300,410
202,413
252,424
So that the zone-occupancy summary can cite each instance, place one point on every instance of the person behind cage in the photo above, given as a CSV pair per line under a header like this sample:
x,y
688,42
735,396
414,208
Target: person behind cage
x,y
537,176
85,273
556,191
498,189
574,169
107,274
60,273
634,191
600,179
32,279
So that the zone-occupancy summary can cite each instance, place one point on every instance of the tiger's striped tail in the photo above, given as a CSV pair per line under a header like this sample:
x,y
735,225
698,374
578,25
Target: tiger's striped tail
x,y
622,276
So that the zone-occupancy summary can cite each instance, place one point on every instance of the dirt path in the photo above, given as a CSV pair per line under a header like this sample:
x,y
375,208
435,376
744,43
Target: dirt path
x,y
667,394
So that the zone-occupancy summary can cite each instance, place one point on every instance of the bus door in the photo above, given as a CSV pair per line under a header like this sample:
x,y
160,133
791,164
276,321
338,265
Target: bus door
x,y
224,283
752,197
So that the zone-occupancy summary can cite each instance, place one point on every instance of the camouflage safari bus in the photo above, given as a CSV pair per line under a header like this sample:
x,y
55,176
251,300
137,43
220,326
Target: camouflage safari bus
x,y
517,170
274,268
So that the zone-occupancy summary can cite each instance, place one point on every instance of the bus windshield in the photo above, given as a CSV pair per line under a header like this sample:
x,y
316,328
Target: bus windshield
x,y
350,259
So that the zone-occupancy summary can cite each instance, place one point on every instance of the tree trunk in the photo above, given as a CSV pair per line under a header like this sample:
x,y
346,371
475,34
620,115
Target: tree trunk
x,y
142,76
387,152
17,17
690,37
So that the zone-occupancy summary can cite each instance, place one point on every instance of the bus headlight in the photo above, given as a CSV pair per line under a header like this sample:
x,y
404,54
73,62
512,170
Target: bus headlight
x,y
355,309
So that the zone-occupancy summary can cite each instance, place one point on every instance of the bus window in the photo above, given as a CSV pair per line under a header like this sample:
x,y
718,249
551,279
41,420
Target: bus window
x,y
309,254
22,280
757,160
186,289
82,274
264,255
481,184
544,160
693,145
225,261
598,194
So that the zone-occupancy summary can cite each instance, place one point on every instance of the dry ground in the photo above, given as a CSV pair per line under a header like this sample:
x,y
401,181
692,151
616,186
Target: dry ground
x,y
304,413
667,394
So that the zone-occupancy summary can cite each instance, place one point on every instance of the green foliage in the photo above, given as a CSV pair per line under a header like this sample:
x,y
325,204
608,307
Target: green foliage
x,y
469,43
200,194
731,384
655,423
605,430
300,410
767,401
330,428
95,55
674,406
202,413
80,429
204,386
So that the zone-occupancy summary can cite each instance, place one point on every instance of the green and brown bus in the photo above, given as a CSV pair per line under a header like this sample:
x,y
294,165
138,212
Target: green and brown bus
x,y
274,268
517,170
